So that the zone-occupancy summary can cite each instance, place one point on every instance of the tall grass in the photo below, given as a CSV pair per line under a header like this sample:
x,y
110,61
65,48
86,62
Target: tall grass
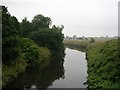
x,y
82,45
77,44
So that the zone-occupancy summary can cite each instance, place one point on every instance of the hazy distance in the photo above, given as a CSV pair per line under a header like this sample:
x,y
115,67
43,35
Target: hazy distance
x,y
79,17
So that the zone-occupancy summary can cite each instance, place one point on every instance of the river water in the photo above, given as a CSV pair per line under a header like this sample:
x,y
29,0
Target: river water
x,y
68,73
75,66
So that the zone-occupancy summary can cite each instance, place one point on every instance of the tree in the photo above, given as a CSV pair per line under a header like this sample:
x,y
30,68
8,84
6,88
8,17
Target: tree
x,y
25,27
10,25
39,21
74,37
92,40
19,52
86,38
50,38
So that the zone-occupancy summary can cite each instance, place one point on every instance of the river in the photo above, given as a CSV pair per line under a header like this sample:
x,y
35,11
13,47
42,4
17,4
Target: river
x,y
68,73
75,67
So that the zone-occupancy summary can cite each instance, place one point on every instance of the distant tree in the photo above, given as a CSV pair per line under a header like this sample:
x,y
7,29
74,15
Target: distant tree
x,y
80,38
106,36
67,37
74,37
92,40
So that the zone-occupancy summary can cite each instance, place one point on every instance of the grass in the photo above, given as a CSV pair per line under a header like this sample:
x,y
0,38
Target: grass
x,y
77,44
81,45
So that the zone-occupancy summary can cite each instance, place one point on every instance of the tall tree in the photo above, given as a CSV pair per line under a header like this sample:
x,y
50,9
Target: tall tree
x,y
10,24
39,21
50,38
25,27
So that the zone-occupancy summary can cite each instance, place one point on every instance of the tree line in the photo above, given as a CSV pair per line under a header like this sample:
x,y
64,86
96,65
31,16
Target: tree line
x,y
28,43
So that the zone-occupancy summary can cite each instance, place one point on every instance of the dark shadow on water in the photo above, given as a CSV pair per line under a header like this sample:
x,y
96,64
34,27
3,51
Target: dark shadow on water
x,y
41,79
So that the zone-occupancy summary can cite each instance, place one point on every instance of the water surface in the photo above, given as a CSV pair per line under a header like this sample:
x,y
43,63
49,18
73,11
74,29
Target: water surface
x,y
75,67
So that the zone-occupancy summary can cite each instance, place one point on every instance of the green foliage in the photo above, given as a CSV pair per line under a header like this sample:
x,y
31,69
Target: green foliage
x,y
25,28
10,25
104,65
19,51
50,38
9,73
14,46
39,21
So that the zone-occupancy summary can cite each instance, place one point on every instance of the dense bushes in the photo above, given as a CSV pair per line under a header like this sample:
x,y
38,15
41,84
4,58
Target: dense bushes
x,y
19,53
15,47
9,73
104,65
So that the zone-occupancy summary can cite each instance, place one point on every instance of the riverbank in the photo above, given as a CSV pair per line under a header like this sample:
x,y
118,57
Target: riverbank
x,y
12,71
82,45
102,60
38,78
28,44
103,65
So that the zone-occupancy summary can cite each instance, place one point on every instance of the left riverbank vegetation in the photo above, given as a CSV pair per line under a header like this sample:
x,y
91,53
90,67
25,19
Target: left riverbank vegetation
x,y
28,44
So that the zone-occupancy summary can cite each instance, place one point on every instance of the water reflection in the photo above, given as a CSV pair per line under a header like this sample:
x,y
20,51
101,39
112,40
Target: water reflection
x,y
39,79
71,74
75,66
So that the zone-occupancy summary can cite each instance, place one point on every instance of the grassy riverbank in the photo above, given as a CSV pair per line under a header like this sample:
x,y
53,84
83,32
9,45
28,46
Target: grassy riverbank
x,y
77,44
104,65
103,61
82,45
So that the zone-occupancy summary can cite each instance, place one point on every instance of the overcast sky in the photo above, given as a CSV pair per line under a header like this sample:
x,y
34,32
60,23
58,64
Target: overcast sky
x,y
79,17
